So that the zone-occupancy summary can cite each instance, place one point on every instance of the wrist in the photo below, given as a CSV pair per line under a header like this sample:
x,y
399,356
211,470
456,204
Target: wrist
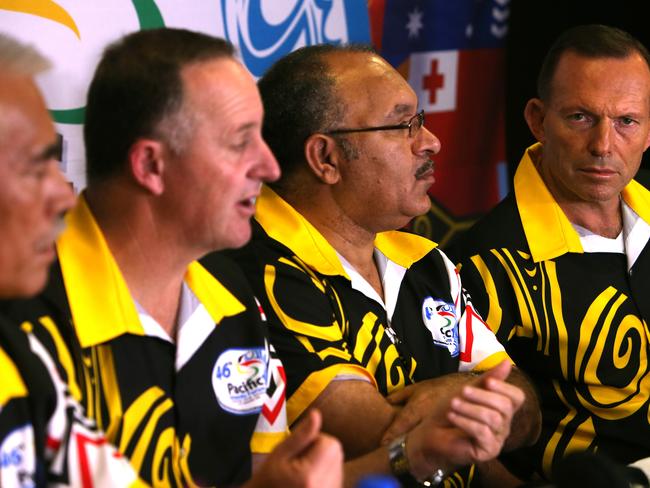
x,y
401,468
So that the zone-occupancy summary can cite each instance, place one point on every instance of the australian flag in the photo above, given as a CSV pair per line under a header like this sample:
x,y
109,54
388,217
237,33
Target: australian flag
x,y
453,55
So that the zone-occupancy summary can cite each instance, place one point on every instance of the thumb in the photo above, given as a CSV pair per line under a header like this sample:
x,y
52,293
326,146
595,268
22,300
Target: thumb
x,y
305,432
499,372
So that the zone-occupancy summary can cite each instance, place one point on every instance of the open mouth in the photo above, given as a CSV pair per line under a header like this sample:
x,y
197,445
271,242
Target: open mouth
x,y
248,204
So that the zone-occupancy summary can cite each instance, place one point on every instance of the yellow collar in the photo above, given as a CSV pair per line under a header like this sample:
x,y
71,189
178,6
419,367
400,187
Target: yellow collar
x,y
548,230
100,302
284,224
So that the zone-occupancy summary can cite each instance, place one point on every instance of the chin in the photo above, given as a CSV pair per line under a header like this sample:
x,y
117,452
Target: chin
x,y
26,287
236,240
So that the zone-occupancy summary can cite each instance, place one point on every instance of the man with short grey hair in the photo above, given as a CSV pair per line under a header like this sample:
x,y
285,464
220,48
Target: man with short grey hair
x,y
44,437
175,357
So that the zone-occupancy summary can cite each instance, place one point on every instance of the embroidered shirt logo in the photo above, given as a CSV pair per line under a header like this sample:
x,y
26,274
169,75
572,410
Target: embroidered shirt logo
x,y
240,380
440,319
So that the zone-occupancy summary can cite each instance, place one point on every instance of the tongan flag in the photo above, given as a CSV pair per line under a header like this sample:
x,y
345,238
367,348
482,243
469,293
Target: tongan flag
x,y
452,53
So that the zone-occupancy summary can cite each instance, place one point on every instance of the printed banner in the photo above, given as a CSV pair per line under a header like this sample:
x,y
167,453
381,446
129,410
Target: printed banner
x,y
452,53
73,34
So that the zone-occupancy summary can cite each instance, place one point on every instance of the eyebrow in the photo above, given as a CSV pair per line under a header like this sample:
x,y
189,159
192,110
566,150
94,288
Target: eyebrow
x,y
54,150
400,109
246,127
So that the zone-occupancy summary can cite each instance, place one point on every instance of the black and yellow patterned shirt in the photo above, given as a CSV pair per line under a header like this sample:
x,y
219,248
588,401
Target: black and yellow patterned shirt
x,y
189,411
326,323
45,438
574,319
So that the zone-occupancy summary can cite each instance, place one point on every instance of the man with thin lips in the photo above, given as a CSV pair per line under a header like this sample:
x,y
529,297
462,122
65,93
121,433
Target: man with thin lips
x,y
175,160
357,309
560,267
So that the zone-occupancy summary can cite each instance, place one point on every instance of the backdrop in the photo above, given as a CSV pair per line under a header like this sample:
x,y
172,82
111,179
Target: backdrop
x,y
452,53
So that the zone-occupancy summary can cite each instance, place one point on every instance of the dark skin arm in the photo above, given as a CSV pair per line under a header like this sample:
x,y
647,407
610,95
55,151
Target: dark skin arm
x,y
471,428
421,399
417,400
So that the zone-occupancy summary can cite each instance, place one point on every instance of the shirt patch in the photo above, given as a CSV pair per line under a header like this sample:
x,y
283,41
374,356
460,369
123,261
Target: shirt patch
x,y
17,458
440,318
240,380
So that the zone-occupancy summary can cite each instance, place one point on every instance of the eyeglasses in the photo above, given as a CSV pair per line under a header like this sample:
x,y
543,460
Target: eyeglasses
x,y
414,124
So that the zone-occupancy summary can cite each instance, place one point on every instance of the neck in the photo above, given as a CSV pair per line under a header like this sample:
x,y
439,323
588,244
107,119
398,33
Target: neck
x,y
149,262
604,219
355,243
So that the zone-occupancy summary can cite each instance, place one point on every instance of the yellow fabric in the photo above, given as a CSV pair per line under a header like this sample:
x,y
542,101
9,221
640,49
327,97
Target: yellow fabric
x,y
491,361
12,383
638,198
100,301
316,383
265,442
548,230
284,224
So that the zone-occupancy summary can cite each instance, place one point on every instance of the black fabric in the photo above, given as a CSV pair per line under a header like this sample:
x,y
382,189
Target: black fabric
x,y
577,325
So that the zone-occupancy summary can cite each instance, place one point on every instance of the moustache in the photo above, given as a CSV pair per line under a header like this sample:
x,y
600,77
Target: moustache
x,y
428,164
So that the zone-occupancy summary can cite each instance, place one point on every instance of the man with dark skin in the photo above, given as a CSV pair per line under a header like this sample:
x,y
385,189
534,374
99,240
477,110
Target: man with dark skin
x,y
358,310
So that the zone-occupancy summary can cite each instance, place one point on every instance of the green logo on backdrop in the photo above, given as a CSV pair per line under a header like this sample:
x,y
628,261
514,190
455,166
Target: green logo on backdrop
x,y
149,17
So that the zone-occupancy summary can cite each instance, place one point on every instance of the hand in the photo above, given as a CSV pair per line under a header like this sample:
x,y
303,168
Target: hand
x,y
432,398
306,459
428,398
475,429
485,409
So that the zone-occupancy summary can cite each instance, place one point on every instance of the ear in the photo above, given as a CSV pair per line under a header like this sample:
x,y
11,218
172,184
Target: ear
x,y
147,164
323,157
534,113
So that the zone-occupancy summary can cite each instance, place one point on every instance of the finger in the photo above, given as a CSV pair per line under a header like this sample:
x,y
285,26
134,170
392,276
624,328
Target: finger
x,y
305,433
497,421
404,421
506,401
499,372
513,392
487,444
322,463
400,396
325,453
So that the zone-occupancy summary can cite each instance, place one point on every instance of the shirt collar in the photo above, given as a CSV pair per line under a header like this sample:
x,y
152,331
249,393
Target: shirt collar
x,y
100,302
284,224
548,230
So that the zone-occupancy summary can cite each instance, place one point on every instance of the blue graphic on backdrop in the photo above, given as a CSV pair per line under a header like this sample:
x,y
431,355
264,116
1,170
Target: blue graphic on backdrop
x,y
262,41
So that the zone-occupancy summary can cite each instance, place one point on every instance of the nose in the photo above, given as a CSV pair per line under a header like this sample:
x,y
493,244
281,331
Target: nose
x,y
600,141
267,168
426,141
57,191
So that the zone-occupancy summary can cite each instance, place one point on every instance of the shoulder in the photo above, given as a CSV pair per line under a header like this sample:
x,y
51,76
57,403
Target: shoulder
x,y
222,267
261,249
501,227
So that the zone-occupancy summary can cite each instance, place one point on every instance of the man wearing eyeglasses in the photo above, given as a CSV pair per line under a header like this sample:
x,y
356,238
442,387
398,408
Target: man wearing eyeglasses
x,y
357,309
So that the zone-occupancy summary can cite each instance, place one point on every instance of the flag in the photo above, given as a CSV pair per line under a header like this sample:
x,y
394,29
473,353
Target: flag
x,y
453,55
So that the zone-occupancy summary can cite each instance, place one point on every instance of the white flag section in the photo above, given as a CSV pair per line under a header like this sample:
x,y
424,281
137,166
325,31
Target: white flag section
x,y
73,34
433,76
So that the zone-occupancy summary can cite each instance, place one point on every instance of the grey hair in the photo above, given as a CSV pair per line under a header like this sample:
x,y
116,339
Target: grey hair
x,y
21,59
